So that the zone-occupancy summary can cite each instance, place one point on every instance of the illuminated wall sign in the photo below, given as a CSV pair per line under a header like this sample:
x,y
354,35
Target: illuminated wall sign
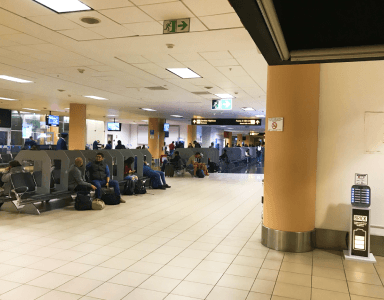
x,y
360,232
233,122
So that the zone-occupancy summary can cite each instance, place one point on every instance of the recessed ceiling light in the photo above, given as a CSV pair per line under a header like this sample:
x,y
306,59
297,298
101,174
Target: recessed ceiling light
x,y
64,6
96,97
247,108
176,116
225,96
144,120
260,116
5,77
148,109
184,73
229,128
111,115
7,99
30,109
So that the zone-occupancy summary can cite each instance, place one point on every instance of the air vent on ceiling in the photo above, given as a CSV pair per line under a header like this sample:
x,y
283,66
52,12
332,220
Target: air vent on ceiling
x,y
90,20
201,93
156,88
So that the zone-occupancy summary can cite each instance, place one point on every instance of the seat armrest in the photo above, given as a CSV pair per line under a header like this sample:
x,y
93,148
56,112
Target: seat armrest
x,y
20,190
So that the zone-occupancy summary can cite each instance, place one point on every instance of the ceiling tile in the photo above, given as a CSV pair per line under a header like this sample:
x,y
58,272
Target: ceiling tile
x,y
102,68
76,17
27,50
145,2
245,53
223,62
25,8
234,71
55,22
192,56
82,34
222,21
105,4
146,28
216,55
167,11
174,64
23,39
114,31
245,81
133,59
196,25
211,7
157,58
6,43
7,30
127,15
49,48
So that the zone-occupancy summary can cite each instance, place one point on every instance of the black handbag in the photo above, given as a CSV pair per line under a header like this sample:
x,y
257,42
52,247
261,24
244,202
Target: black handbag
x,y
140,187
110,198
83,201
129,187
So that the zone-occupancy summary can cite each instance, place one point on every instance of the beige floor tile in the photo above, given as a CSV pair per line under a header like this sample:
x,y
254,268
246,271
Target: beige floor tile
x,y
73,269
100,273
275,255
274,297
57,295
331,295
328,273
248,261
110,291
23,275
92,259
108,251
298,258
132,254
80,286
48,264
296,268
141,294
367,278
258,296
227,249
221,257
68,255
266,274
257,253
158,258
178,297
236,282
359,267
356,297
295,278
271,264
193,253
367,290
50,280
145,267
222,293
23,260
160,284
202,276
292,291
129,278
329,284
179,243
173,272
6,286
202,246
185,262
24,292
169,250
213,266
328,263
263,286
242,271
118,263
192,289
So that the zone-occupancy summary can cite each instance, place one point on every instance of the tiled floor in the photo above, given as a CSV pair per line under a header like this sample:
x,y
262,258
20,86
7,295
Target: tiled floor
x,y
198,240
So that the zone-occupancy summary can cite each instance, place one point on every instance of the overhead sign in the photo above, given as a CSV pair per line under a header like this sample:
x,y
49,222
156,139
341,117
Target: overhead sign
x,y
176,26
222,104
234,122
275,124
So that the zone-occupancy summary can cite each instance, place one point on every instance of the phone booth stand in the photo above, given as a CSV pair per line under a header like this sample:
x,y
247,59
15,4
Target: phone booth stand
x,y
359,233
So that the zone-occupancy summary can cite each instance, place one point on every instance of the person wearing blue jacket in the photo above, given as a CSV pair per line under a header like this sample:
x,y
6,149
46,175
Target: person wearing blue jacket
x,y
61,143
29,143
157,177
96,145
100,176
108,146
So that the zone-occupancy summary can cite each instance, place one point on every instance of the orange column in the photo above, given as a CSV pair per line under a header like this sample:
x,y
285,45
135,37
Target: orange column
x,y
248,140
239,139
291,155
77,126
192,135
229,139
156,136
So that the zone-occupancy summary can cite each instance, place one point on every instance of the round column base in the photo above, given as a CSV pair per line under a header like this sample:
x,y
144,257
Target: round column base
x,y
288,241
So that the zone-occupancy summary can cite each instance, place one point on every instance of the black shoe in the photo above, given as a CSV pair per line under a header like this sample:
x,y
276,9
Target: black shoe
x,y
162,187
167,186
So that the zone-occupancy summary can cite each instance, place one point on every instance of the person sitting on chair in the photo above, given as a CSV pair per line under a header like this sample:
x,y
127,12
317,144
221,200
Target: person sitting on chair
x,y
29,143
108,146
62,143
14,167
128,172
157,177
119,145
100,176
195,162
76,181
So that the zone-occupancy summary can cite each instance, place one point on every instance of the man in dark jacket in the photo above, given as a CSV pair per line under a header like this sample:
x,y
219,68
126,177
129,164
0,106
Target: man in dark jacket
x,y
119,145
100,176
61,143
29,143
108,146
75,180
96,145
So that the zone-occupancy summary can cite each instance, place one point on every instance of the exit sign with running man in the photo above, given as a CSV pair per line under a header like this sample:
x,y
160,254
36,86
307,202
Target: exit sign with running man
x,y
176,26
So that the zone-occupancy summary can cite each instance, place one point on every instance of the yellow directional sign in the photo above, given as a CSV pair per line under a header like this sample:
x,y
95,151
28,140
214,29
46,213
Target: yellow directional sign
x,y
176,26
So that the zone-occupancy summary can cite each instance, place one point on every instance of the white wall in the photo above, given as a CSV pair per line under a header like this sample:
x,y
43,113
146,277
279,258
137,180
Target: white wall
x,y
122,135
347,91
95,131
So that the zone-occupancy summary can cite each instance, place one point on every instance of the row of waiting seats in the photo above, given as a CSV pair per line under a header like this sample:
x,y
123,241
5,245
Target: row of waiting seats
x,y
49,179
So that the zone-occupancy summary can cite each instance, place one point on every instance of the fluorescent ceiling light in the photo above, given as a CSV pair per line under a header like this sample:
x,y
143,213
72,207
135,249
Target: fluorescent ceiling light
x,y
247,108
30,109
225,96
144,120
229,128
148,109
67,108
223,126
260,116
111,115
184,73
176,116
95,97
5,77
62,6
7,99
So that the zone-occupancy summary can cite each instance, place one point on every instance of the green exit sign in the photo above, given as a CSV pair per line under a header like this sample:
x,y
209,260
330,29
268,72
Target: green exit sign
x,y
222,104
176,26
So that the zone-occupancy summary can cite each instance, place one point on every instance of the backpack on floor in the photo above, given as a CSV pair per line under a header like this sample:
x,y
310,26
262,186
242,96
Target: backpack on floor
x,y
213,167
83,201
200,173
169,170
110,198
129,188
140,187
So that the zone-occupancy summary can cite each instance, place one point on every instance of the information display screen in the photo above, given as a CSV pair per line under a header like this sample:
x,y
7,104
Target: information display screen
x,y
166,127
114,126
53,120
